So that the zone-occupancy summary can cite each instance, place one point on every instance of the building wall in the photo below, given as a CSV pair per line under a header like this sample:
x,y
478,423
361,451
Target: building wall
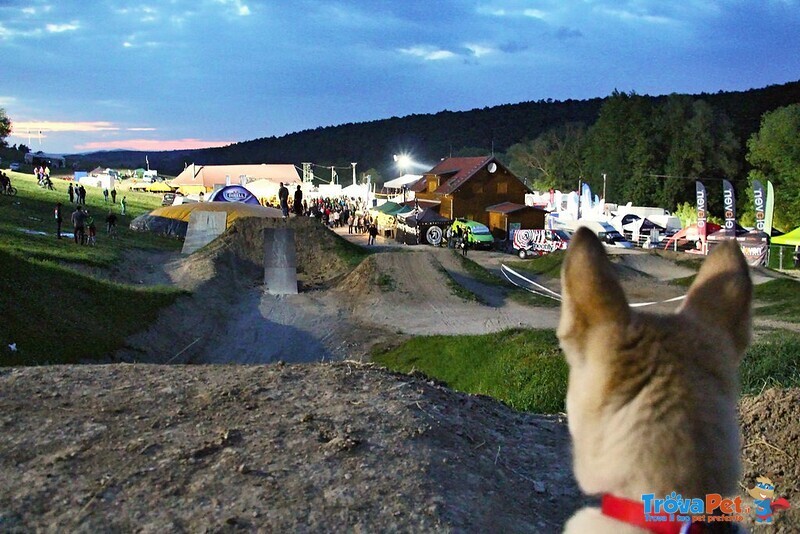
x,y
486,189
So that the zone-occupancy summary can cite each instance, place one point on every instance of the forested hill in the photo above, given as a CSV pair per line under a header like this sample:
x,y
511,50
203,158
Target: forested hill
x,y
430,137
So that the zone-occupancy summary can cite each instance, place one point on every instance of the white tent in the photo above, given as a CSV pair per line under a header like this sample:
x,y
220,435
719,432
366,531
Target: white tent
x,y
398,183
263,188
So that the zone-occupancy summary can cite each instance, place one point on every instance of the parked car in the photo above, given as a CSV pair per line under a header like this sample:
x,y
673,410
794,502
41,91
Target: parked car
x,y
538,242
15,166
479,235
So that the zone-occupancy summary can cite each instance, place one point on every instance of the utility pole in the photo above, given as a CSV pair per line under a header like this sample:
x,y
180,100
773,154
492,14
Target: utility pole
x,y
333,174
580,187
354,172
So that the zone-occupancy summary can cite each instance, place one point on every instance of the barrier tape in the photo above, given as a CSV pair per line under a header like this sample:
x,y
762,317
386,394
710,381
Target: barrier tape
x,y
545,292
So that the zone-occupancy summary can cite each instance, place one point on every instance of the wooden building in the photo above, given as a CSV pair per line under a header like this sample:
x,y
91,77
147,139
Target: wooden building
x,y
465,187
507,215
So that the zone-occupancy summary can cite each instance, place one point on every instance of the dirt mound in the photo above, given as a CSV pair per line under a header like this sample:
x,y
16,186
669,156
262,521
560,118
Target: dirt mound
x,y
771,447
315,448
239,252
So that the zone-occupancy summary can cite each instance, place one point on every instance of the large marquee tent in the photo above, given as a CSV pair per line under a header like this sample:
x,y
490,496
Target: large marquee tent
x,y
173,220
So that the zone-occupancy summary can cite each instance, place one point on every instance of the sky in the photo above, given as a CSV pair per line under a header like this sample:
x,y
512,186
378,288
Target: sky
x,y
85,75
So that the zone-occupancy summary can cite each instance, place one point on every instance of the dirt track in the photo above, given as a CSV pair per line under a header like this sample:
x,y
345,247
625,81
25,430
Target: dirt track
x,y
340,446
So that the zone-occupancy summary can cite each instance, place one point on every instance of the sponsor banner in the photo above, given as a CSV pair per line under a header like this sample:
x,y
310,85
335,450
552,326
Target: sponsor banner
x,y
729,205
701,210
233,193
770,209
541,241
760,204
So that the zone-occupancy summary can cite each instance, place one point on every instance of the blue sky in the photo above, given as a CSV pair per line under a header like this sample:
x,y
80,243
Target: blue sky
x,y
157,75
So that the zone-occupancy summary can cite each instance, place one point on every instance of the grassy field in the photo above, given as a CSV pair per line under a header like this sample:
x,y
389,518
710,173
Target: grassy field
x,y
514,293
526,370
522,368
52,313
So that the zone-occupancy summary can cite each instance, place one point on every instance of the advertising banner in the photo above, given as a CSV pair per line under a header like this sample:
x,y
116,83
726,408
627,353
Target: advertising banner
x,y
760,204
770,209
701,211
729,205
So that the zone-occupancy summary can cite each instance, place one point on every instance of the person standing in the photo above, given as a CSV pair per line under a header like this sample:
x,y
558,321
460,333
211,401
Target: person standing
x,y
283,197
298,201
59,220
78,221
105,195
111,222
123,204
71,192
90,226
465,242
373,233
113,196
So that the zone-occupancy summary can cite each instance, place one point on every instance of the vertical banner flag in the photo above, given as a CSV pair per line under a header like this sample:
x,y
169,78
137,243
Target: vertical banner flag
x,y
701,210
770,209
760,204
729,204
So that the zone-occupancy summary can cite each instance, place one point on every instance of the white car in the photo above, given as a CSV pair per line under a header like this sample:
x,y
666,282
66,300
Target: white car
x,y
14,166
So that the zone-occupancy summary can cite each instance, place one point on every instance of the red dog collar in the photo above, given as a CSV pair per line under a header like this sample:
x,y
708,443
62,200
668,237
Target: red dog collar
x,y
632,512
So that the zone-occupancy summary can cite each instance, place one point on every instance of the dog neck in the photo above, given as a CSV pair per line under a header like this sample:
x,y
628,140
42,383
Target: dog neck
x,y
632,512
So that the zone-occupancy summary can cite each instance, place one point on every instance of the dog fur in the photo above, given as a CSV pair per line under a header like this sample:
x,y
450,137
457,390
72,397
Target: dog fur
x,y
652,398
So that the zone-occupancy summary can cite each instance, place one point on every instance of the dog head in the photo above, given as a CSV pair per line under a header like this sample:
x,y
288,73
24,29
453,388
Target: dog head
x,y
652,398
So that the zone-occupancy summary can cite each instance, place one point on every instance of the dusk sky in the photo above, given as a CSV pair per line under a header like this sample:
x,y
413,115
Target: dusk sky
x,y
160,75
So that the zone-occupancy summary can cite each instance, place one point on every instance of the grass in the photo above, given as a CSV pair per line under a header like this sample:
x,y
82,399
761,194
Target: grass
x,y
515,293
350,253
772,362
522,368
547,265
55,314
459,290
386,282
32,211
526,370
782,296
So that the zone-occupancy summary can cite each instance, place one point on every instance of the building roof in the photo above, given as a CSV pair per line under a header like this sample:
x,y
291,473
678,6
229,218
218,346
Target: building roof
x,y
510,207
455,171
211,175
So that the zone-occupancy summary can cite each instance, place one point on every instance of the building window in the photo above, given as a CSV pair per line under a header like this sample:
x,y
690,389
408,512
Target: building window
x,y
502,188
431,186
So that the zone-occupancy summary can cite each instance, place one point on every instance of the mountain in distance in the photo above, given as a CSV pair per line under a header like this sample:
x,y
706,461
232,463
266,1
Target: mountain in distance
x,y
429,137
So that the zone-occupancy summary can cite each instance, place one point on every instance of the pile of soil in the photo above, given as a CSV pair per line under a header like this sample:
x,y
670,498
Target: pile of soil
x,y
323,447
239,252
771,447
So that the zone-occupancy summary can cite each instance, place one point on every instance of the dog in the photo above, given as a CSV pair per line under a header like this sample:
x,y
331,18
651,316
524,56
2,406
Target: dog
x,y
651,401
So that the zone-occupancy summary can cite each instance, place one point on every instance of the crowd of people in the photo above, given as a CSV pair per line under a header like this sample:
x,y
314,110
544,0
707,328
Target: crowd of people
x,y
83,223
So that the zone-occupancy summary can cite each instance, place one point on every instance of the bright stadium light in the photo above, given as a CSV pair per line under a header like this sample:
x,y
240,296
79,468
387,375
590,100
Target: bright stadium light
x,y
403,161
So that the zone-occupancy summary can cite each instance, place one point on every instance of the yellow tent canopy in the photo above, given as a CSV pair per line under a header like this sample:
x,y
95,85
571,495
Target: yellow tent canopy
x,y
159,187
173,220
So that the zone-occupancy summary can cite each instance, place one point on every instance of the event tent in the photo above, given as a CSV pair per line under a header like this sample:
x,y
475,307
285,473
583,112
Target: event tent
x,y
173,220
416,227
791,238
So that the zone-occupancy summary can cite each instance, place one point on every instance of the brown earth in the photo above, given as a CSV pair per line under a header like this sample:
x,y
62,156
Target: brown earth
x,y
340,445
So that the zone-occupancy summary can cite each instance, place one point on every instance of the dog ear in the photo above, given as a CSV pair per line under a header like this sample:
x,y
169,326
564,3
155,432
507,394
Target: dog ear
x,y
591,293
722,292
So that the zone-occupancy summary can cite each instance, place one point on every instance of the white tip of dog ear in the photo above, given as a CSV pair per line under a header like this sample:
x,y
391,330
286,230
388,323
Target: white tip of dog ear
x,y
722,293
591,292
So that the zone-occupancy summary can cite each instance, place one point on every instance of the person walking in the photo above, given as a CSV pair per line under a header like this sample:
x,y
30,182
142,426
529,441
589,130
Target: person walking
x,y
298,201
59,220
123,204
283,197
113,196
71,193
105,196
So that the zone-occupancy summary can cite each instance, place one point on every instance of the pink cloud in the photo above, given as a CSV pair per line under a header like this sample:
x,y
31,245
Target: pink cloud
x,y
152,144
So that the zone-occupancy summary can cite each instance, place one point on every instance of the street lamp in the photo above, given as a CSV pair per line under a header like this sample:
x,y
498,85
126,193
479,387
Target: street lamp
x,y
402,161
